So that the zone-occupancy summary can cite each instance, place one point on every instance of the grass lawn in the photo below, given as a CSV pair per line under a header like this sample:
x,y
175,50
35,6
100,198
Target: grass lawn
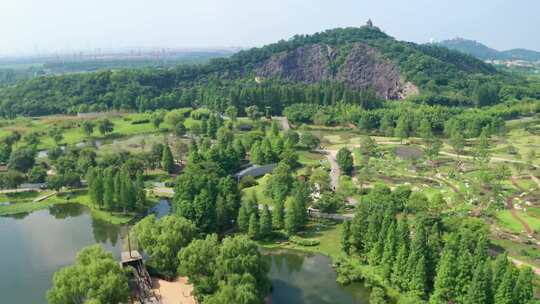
x,y
123,126
258,191
534,212
520,251
308,158
506,220
77,196
27,207
327,232
134,143
20,197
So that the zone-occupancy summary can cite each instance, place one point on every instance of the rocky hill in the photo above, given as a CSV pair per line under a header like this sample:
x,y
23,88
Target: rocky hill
x,y
360,58
352,65
361,67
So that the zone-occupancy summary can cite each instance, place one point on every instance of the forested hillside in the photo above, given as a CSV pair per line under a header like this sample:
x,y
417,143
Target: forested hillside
x,y
352,65
484,52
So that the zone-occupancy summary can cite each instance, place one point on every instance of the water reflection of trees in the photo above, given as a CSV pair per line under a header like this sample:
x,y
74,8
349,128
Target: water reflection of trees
x,y
104,231
17,216
63,211
294,262
286,261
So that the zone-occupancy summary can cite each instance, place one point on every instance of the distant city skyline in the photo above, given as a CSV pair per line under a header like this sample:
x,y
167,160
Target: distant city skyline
x,y
63,26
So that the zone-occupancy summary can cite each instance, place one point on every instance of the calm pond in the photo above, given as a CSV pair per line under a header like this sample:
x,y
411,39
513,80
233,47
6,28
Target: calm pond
x,y
34,246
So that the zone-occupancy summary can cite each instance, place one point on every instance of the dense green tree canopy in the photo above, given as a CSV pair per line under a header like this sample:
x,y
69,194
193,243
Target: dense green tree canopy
x,y
96,277
162,240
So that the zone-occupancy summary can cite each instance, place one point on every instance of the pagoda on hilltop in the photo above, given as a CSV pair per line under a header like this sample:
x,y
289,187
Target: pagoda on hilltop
x,y
369,23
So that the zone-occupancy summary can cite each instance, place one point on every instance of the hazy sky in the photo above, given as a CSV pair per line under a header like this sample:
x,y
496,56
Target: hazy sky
x,y
53,25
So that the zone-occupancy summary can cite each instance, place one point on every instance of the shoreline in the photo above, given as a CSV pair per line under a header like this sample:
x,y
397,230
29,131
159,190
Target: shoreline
x,y
79,197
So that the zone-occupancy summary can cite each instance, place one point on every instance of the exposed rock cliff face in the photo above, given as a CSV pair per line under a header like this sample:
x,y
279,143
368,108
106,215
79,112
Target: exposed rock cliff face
x,y
360,66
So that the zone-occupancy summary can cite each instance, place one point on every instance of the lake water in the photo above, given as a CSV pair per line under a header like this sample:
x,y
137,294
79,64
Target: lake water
x,y
307,278
34,246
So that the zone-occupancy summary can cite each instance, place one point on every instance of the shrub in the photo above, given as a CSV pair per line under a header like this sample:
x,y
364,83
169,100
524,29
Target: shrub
x,y
200,113
247,181
140,121
304,242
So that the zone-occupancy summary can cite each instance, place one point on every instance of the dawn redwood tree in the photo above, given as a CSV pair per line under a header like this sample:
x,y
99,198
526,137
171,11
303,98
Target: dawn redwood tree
x,y
291,220
445,280
389,250
140,194
505,291
387,125
477,290
167,161
108,189
523,292
265,223
433,148
118,190
253,227
345,161
457,141
95,186
481,149
424,130
243,218
402,128
278,214
346,237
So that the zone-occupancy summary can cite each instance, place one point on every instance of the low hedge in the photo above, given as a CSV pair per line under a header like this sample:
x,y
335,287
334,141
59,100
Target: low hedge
x,y
303,242
140,121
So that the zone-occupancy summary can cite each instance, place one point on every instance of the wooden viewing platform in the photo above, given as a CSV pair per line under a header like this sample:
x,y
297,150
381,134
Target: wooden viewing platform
x,y
129,257
141,283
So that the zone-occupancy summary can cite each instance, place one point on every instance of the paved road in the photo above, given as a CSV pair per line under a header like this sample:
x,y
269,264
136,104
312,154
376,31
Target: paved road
x,y
7,191
335,171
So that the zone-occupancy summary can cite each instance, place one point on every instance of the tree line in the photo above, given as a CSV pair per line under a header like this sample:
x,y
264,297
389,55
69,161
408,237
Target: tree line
x,y
110,190
428,257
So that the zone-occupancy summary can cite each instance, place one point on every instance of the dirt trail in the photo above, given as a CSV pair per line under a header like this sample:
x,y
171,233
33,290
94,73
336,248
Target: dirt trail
x,y
536,180
492,159
515,183
510,205
284,122
519,263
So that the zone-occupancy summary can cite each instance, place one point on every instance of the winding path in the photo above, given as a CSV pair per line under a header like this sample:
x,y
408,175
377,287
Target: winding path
x,y
510,206
519,263
536,180
285,126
